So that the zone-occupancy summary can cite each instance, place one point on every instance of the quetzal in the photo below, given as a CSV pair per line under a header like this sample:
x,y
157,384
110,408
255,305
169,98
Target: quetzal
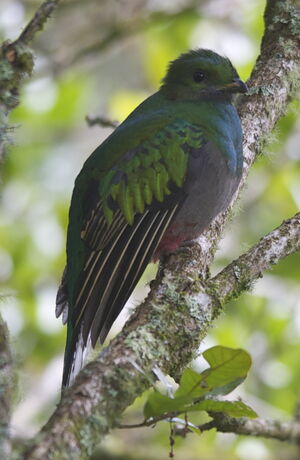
x,y
158,180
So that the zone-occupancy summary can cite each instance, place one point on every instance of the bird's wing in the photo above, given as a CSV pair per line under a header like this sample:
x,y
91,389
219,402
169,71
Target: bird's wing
x,y
124,218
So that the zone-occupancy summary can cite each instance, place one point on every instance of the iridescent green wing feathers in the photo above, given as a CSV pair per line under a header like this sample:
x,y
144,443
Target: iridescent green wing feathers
x,y
146,173
127,214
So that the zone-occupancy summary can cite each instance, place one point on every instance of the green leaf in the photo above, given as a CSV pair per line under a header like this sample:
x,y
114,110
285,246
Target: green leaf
x,y
226,389
159,404
218,355
191,385
232,408
229,367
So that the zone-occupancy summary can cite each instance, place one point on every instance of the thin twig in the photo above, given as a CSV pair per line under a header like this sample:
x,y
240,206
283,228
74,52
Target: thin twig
x,y
266,428
37,22
101,121
150,421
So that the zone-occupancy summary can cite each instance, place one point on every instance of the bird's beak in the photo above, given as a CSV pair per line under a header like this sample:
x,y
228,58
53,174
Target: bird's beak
x,y
237,86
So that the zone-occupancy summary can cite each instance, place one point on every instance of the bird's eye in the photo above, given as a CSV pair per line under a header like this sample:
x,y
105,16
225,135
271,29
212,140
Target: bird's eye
x,y
198,76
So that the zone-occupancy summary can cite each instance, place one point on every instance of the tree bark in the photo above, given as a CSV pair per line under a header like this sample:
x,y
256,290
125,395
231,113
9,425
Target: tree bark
x,y
6,386
259,427
16,62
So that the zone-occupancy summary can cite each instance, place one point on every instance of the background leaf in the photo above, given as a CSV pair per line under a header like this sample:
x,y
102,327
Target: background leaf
x,y
229,367
232,408
227,364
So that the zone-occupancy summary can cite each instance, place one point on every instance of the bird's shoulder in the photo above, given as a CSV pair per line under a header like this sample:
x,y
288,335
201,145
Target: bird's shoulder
x,y
149,119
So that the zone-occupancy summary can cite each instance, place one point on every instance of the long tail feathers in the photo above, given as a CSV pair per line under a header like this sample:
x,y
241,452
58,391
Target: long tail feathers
x,y
109,277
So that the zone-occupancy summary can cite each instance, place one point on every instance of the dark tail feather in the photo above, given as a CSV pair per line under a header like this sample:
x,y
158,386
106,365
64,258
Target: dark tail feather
x,y
62,299
110,263
95,279
109,279
134,270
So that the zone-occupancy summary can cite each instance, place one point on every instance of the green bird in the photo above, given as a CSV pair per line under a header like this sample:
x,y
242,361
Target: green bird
x,y
157,181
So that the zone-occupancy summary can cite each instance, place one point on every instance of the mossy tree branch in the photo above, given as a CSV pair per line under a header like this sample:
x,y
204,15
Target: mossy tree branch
x,y
168,326
16,63
241,273
5,391
259,427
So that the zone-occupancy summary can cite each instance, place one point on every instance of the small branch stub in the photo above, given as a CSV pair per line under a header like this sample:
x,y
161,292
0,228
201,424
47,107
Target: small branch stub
x,y
101,121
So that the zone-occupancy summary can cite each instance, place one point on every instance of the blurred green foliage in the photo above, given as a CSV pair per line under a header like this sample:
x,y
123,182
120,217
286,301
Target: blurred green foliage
x,y
52,141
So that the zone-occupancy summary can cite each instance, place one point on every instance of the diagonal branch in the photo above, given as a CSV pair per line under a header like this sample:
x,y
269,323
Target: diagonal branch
x,y
274,429
241,273
168,326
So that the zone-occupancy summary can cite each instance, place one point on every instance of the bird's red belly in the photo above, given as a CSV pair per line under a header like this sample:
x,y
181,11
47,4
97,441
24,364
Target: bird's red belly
x,y
168,243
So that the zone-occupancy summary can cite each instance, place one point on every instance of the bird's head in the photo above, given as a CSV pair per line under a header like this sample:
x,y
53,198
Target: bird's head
x,y
201,73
